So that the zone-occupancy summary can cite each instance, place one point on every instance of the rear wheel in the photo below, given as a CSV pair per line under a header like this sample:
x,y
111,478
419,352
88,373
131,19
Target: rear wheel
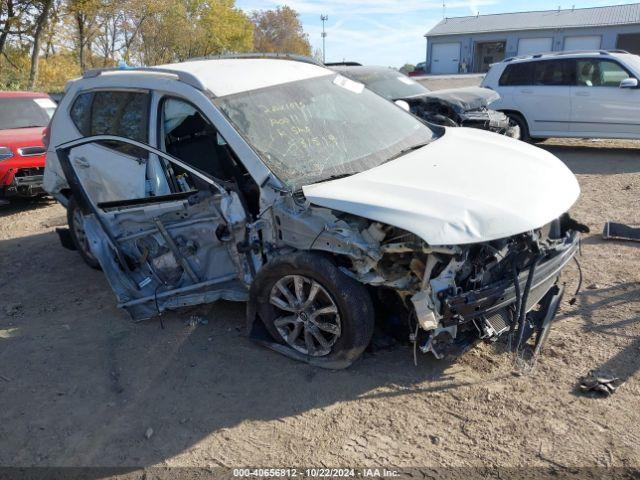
x,y
75,219
307,303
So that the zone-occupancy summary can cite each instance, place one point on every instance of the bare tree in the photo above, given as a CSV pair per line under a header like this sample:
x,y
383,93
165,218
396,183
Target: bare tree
x,y
10,17
41,23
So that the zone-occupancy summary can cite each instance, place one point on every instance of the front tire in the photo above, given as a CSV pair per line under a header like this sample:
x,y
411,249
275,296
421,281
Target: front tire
x,y
525,135
519,120
308,304
75,221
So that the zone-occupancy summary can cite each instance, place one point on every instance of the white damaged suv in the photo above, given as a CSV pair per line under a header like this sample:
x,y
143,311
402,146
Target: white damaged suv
x,y
279,182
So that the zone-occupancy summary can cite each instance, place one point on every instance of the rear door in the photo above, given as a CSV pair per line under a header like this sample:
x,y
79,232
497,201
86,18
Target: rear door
x,y
119,112
600,108
160,251
545,99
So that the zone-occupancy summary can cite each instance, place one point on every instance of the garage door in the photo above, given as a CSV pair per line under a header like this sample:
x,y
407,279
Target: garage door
x,y
583,42
445,57
528,46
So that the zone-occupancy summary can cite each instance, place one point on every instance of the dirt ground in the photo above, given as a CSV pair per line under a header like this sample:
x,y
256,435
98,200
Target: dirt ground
x,y
80,384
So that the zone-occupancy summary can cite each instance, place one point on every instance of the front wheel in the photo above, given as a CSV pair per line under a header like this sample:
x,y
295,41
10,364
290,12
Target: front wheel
x,y
308,304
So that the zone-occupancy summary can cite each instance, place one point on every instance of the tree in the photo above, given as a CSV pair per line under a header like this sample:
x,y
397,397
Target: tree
x,y
279,31
407,68
13,14
37,35
186,29
85,19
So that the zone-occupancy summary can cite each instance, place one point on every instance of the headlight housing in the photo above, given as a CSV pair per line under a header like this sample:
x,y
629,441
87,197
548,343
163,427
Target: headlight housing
x,y
5,152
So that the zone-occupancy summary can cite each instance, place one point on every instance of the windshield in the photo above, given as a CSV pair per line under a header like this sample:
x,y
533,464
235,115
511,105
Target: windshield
x,y
24,112
390,84
316,129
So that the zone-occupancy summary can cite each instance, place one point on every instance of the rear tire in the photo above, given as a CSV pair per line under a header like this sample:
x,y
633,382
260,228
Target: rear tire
x,y
308,304
74,220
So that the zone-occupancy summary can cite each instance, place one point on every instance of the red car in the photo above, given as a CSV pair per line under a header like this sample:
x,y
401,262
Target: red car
x,y
24,117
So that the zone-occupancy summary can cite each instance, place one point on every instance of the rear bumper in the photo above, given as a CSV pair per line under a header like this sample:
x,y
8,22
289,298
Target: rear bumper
x,y
494,298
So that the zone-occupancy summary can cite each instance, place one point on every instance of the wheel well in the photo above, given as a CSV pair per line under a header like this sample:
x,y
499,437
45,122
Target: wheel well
x,y
515,112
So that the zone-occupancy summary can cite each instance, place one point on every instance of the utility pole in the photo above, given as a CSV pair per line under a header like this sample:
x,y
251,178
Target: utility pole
x,y
324,18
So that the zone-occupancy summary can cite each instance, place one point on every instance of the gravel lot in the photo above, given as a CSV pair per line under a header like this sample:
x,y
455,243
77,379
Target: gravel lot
x,y
80,384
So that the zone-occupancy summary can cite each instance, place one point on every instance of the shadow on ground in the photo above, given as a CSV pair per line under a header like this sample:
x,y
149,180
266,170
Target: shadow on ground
x,y
591,305
99,381
588,160
15,205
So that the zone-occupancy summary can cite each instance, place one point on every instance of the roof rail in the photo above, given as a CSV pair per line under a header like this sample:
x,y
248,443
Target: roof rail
x,y
184,77
564,52
257,55
342,64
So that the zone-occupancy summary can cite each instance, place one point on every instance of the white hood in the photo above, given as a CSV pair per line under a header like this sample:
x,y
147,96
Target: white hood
x,y
468,186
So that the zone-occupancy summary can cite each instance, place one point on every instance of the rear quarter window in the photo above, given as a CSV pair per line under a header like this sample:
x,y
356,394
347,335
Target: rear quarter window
x,y
517,74
554,72
119,113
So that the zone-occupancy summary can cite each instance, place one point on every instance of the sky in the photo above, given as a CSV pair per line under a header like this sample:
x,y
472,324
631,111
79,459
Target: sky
x,y
391,32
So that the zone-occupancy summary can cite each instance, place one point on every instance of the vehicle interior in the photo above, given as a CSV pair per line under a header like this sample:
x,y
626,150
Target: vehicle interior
x,y
190,137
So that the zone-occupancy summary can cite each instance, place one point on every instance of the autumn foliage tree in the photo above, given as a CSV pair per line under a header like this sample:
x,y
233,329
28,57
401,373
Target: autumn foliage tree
x,y
44,43
279,31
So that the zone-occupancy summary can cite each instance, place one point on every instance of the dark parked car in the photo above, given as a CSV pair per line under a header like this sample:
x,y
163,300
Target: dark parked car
x,y
460,107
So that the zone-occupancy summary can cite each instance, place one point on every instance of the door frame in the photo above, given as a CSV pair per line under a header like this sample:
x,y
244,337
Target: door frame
x,y
89,208
475,63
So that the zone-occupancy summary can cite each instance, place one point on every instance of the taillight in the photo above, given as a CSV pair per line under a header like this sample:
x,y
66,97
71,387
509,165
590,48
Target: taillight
x,y
46,136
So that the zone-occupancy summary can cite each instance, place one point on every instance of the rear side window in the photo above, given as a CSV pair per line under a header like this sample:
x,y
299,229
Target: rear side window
x,y
123,114
517,74
554,72
81,113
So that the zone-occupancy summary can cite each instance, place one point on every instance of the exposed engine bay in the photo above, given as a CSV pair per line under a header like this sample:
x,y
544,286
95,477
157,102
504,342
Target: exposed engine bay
x,y
449,296
442,112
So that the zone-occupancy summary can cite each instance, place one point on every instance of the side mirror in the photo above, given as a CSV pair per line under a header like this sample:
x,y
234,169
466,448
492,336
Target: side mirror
x,y
403,105
629,83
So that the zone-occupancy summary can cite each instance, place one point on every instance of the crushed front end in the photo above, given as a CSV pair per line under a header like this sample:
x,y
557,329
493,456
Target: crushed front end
x,y
21,171
487,290
444,298
491,120
466,107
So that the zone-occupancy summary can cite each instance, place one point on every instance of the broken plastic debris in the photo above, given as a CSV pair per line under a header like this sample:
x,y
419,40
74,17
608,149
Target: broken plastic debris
x,y
599,382
620,231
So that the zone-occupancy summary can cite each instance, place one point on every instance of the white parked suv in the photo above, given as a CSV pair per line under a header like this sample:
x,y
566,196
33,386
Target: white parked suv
x,y
326,207
570,94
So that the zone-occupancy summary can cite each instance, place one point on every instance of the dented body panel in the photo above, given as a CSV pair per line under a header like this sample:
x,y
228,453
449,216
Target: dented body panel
x,y
448,197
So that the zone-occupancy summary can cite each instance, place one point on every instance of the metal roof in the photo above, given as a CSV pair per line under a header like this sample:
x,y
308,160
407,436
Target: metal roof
x,y
548,19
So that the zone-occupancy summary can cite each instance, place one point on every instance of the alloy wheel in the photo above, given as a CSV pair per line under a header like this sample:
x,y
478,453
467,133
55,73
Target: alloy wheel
x,y
308,319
